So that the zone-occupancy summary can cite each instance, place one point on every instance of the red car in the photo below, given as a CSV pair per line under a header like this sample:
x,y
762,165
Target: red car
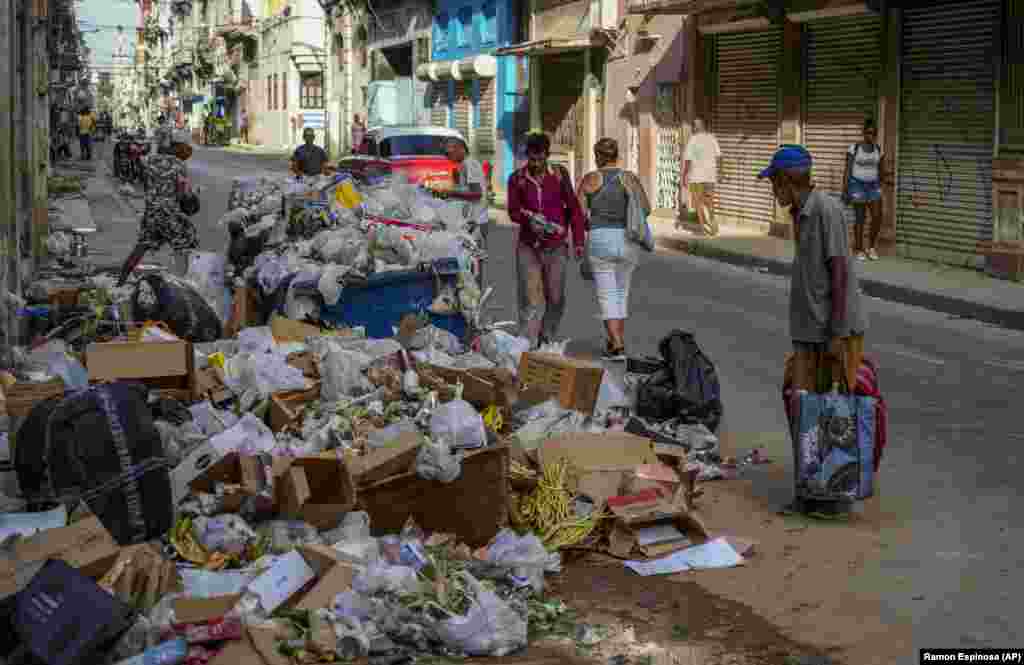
x,y
416,151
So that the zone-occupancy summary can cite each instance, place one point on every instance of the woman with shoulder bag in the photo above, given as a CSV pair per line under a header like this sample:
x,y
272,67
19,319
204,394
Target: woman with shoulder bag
x,y
605,195
863,179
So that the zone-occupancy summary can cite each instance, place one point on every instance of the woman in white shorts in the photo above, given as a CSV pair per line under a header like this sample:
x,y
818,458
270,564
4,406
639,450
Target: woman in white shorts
x,y
604,195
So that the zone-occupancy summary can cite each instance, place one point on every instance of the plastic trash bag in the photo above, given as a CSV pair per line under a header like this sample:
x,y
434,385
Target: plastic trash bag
x,y
285,535
351,605
250,436
380,438
459,423
256,340
491,627
262,374
437,461
175,302
383,577
207,271
523,560
503,349
341,374
179,440
229,534
473,360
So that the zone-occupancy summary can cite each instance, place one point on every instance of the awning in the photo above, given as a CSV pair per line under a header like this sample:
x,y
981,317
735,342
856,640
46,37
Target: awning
x,y
553,45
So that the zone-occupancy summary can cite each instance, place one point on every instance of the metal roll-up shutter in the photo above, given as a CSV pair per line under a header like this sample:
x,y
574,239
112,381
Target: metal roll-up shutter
x,y
485,133
746,123
947,127
843,66
462,108
439,104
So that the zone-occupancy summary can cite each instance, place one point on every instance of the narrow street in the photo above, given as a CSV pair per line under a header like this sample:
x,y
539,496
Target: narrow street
x,y
932,561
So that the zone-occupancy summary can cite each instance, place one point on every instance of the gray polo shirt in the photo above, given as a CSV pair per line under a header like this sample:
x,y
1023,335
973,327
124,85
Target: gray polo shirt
x,y
823,235
311,159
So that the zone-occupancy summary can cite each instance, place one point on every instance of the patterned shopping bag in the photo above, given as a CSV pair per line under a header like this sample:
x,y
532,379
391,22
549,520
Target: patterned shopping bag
x,y
834,438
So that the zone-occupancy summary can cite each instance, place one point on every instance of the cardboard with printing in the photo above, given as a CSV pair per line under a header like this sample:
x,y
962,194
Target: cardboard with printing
x,y
85,545
318,490
333,576
192,467
242,474
396,457
159,364
608,451
575,383
265,641
287,576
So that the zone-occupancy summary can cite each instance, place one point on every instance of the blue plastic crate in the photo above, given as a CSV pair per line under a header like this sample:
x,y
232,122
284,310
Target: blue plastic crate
x,y
380,304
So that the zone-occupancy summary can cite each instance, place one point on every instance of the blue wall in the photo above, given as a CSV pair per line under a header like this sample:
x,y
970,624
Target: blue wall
x,y
464,28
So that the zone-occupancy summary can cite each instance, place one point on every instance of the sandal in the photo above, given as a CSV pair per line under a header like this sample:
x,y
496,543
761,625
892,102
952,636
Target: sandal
x,y
613,354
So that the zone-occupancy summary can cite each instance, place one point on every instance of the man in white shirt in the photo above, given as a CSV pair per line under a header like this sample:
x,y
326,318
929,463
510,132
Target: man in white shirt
x,y
702,163
471,188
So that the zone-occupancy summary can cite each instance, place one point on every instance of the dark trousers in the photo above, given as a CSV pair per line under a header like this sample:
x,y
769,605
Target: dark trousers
x,y
85,143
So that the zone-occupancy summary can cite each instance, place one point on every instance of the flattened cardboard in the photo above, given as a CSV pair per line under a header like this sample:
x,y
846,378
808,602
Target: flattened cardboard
x,y
238,652
159,364
192,467
85,545
286,408
318,490
575,383
338,578
481,387
264,640
22,397
198,610
608,451
391,460
306,363
290,330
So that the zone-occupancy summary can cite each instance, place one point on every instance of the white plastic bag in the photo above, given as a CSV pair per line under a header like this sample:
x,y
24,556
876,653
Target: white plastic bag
x,y
503,349
459,423
384,577
341,372
256,340
490,628
524,559
437,461
207,272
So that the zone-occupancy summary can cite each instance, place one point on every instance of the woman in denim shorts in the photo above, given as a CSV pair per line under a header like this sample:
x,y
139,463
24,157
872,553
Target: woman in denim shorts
x,y
865,165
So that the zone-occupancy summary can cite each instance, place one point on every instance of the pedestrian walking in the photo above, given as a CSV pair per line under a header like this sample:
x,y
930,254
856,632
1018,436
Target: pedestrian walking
x,y
862,178
309,159
358,133
471,187
604,195
163,222
702,162
541,201
826,319
86,130
244,128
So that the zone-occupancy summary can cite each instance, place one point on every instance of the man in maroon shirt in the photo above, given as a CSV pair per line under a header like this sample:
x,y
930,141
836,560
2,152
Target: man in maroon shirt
x,y
542,202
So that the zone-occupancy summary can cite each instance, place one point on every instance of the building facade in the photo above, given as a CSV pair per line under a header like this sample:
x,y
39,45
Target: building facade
x,y
937,80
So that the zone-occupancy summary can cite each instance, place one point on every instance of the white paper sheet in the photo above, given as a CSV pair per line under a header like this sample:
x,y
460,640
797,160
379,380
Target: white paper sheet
x,y
659,533
288,574
713,554
210,584
26,524
249,437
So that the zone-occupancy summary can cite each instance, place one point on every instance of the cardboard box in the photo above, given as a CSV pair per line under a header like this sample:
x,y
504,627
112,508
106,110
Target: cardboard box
x,y
334,575
264,640
396,458
651,505
608,451
160,365
575,383
244,311
481,387
244,471
289,330
198,610
318,490
22,397
286,408
85,545
140,576
306,363
240,652
192,467
288,575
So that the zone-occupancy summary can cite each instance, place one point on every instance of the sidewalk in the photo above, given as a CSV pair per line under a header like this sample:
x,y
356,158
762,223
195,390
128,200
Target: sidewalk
x,y
959,292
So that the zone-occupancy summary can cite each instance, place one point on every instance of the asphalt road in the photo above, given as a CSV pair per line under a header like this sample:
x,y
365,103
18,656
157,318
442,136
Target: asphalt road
x,y
952,475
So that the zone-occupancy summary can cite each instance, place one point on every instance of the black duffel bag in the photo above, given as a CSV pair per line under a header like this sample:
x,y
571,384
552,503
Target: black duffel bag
x,y
685,387
99,446
166,298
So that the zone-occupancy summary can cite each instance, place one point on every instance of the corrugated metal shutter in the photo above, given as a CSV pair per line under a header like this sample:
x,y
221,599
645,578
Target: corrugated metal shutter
x,y
462,107
746,123
485,133
947,127
843,66
439,104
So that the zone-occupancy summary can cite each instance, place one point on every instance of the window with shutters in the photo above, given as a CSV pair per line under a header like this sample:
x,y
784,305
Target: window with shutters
x,y
489,23
1011,134
312,91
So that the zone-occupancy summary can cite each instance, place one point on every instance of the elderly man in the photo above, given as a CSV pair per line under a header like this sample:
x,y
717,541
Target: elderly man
x,y
826,319
471,187
309,159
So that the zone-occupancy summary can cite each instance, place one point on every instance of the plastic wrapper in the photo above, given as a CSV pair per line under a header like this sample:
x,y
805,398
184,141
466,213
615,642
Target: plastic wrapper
x,y
491,627
207,272
263,374
350,604
200,583
437,461
432,356
209,420
522,560
229,534
459,423
382,577
436,338
341,374
286,535
70,371
503,349
354,526
472,360
379,438
256,340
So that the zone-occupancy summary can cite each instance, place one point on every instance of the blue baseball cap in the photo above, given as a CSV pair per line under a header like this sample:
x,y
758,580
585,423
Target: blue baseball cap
x,y
787,157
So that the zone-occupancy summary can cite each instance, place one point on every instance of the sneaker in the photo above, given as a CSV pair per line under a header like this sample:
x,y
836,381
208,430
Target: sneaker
x,y
612,354
872,254
861,256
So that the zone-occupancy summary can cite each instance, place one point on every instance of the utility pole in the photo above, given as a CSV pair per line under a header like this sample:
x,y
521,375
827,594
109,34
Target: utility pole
x,y
8,209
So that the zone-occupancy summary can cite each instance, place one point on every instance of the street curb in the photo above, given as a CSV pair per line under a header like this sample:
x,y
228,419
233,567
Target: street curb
x,y
905,295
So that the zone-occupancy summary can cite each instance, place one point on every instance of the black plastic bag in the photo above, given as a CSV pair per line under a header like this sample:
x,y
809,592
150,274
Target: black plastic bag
x,y
686,387
178,305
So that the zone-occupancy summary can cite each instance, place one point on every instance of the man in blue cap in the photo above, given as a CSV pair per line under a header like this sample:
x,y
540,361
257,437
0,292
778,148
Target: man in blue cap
x,y
826,320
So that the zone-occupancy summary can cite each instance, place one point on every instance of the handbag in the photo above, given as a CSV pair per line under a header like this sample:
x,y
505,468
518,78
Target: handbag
x,y
189,203
638,231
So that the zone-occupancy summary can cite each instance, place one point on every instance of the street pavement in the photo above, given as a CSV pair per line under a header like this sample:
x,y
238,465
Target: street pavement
x,y
951,478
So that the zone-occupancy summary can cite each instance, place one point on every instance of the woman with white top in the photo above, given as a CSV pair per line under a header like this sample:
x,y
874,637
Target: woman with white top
x,y
865,164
